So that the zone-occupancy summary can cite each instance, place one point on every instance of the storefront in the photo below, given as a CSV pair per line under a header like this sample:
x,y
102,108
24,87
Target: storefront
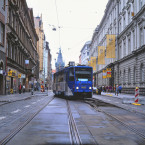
x,y
2,77
11,81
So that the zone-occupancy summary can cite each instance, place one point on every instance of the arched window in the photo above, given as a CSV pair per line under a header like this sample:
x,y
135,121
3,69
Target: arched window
x,y
129,76
141,73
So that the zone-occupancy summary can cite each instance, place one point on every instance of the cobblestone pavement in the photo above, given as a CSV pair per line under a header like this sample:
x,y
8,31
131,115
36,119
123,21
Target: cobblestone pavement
x,y
118,100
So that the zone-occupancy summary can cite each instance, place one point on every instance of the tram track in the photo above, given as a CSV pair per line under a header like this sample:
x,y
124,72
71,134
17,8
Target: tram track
x,y
74,134
95,106
8,102
22,125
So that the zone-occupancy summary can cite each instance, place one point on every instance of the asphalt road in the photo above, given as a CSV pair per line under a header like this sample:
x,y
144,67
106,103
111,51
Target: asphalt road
x,y
51,124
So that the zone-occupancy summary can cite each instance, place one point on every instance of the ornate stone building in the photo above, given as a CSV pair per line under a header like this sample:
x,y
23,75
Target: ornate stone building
x,y
125,19
47,66
3,21
40,44
85,53
22,57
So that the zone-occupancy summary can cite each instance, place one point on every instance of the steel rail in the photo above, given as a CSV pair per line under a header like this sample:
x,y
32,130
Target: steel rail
x,y
92,104
21,126
74,134
118,106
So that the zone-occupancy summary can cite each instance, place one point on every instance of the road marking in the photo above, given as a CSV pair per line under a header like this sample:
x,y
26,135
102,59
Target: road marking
x,y
3,117
16,111
27,106
34,103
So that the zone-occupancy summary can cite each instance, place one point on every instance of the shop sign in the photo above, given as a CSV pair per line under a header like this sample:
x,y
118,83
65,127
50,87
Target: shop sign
x,y
23,76
10,73
104,74
108,72
11,91
19,76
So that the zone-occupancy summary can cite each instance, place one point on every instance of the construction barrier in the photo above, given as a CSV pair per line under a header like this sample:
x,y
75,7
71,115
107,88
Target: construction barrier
x,y
136,96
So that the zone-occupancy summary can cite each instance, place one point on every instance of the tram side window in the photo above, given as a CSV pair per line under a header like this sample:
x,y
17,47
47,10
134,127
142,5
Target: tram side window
x,y
71,74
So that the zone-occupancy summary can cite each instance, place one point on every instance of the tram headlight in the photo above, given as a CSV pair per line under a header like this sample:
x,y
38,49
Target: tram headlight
x,y
77,88
90,88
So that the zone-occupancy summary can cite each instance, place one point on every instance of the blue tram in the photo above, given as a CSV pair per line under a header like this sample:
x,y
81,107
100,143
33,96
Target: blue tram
x,y
73,81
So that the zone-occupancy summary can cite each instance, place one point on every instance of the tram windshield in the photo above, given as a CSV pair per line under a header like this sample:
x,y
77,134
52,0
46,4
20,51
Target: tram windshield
x,y
83,74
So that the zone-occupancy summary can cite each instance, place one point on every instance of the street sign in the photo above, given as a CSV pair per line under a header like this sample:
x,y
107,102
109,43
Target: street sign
x,y
10,73
26,61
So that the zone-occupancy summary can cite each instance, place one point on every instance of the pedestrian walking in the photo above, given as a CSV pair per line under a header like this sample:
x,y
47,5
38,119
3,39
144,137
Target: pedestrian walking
x,y
20,88
120,88
23,88
117,90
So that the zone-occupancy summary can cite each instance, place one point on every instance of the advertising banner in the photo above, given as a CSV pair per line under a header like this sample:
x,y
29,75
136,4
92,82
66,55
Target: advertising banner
x,y
101,54
104,74
108,72
110,49
93,63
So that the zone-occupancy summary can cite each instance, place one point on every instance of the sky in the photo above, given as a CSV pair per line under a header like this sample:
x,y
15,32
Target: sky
x,y
74,20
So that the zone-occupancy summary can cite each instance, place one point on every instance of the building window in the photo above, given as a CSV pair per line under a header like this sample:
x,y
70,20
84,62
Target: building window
x,y
124,22
120,77
120,27
120,6
134,75
129,46
13,51
87,53
129,76
124,77
133,40
124,45
141,73
128,17
2,30
140,4
120,54
3,4
141,36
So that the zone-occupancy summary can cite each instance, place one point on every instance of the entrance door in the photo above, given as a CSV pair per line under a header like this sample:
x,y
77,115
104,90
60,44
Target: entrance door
x,y
1,84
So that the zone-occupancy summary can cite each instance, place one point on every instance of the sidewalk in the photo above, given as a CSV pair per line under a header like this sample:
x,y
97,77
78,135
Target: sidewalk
x,y
126,98
14,97
123,101
17,96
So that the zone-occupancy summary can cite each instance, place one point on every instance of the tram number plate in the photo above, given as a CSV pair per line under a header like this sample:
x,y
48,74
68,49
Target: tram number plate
x,y
84,87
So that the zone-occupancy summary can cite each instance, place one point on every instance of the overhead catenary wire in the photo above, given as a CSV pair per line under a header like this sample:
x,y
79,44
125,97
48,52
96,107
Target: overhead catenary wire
x,y
57,20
